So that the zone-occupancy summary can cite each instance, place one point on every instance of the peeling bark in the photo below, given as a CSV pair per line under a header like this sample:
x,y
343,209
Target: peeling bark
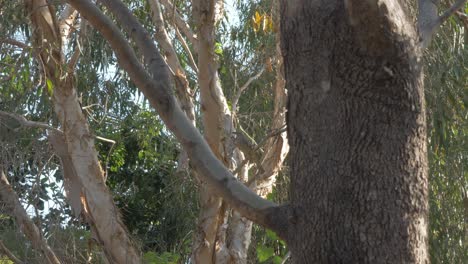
x,y
157,89
27,226
276,150
96,201
209,243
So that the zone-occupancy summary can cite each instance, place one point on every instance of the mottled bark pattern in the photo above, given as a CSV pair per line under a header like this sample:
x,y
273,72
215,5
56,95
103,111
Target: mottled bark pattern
x,y
358,141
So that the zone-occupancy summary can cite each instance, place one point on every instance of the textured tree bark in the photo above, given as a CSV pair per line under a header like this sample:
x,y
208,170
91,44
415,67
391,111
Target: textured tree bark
x,y
357,131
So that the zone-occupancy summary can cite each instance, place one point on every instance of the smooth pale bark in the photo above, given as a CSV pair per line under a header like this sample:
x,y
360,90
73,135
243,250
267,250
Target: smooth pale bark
x,y
12,203
277,147
181,24
96,201
429,20
239,232
209,242
183,91
357,130
276,150
343,186
157,89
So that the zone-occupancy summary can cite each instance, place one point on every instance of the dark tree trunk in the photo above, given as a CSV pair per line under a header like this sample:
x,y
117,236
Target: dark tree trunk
x,y
358,140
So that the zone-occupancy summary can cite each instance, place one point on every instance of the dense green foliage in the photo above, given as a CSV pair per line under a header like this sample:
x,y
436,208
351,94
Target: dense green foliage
x,y
447,101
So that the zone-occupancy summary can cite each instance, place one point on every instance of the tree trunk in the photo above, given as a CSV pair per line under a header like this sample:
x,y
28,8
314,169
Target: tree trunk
x,y
356,124
97,203
209,243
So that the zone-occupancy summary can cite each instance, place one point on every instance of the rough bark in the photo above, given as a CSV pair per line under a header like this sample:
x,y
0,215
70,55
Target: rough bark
x,y
97,203
27,226
356,123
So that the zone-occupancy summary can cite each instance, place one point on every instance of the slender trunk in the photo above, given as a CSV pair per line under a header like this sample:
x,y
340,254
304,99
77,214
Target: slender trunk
x,y
276,150
356,123
97,203
27,226
209,242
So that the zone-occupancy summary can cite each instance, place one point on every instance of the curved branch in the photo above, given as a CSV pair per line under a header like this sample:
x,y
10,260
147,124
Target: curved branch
x,y
27,226
158,93
244,87
429,21
9,254
182,85
182,41
22,121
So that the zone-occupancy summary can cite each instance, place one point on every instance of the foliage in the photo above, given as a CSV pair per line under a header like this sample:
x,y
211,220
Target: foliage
x,y
447,101
142,174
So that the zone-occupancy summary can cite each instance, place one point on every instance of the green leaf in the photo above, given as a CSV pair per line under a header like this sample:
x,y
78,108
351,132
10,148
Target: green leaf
x,y
218,49
264,253
277,260
50,87
271,235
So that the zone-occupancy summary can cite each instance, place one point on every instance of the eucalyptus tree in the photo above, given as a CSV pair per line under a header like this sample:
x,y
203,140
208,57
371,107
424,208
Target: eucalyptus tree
x,y
356,124
348,196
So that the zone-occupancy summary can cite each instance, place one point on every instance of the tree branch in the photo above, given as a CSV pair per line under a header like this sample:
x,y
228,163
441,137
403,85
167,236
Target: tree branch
x,y
182,41
244,87
66,20
429,21
9,254
22,121
182,85
163,38
181,24
464,18
14,42
27,226
158,93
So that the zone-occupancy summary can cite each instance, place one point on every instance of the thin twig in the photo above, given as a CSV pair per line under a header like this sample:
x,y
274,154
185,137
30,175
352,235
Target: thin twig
x,y
259,145
182,41
26,123
14,42
288,255
181,24
273,133
451,10
243,88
